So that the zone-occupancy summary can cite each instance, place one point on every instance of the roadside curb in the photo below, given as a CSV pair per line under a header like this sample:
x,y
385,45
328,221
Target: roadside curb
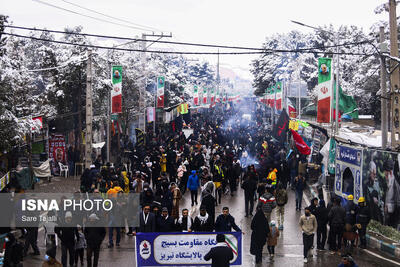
x,y
372,242
383,246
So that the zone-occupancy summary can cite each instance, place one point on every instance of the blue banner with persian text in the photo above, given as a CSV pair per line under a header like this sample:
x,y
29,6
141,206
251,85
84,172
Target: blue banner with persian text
x,y
349,155
183,248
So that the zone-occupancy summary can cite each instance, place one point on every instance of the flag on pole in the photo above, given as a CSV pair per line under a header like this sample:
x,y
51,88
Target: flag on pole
x,y
302,147
281,127
324,90
205,95
196,95
347,104
212,96
272,97
160,91
151,114
116,92
291,109
278,96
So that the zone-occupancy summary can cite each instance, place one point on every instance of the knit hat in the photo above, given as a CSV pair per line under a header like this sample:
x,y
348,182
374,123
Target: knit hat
x,y
68,214
272,223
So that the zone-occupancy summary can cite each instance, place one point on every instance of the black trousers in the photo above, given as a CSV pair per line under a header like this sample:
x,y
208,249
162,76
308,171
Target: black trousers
x,y
321,236
92,252
336,237
259,254
248,200
271,249
193,194
361,233
79,254
31,239
65,250
219,195
308,241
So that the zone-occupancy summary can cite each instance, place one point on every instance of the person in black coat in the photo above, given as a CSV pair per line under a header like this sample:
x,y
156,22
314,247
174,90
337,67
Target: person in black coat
x,y
250,186
165,223
203,222
220,255
94,235
208,202
67,234
321,214
336,217
260,228
225,222
313,205
147,221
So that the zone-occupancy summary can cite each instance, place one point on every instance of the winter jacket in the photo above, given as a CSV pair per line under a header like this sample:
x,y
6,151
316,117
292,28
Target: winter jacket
x,y
225,224
67,235
81,243
193,181
281,197
249,186
268,202
351,212
363,215
308,224
94,235
272,239
321,213
337,216
299,184
165,224
208,226
220,255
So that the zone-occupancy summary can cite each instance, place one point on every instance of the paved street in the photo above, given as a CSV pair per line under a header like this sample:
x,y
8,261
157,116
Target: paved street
x,y
289,251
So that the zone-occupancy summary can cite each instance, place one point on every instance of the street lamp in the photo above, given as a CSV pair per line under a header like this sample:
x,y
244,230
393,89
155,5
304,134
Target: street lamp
x,y
336,41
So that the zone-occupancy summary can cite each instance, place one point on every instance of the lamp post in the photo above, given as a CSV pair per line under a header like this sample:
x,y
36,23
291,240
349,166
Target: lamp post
x,y
336,42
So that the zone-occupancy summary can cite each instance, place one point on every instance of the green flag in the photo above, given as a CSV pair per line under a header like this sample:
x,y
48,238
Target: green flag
x,y
347,104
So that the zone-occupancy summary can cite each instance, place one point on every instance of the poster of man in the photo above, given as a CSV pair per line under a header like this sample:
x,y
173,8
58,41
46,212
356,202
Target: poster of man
x,y
381,186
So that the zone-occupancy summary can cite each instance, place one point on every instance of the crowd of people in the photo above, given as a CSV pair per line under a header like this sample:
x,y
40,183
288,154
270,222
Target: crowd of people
x,y
223,151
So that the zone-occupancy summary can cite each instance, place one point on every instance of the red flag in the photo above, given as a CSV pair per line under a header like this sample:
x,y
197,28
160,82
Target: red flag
x,y
302,147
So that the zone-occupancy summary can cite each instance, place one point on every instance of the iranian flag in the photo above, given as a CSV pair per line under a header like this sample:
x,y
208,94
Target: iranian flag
x,y
291,109
324,90
160,91
278,96
116,92
205,95
212,96
196,95
272,97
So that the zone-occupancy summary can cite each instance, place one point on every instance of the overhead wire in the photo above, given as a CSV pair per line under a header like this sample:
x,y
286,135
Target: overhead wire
x,y
111,17
178,43
91,17
269,51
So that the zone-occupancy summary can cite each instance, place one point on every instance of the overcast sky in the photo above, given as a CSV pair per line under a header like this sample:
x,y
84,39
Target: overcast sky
x,y
223,22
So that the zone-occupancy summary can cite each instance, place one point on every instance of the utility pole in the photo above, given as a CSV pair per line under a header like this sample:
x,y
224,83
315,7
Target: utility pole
x,y
218,73
384,117
89,112
395,76
337,85
142,88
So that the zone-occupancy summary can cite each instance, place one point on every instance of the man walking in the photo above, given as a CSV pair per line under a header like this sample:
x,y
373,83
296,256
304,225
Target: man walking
x,y
299,184
225,222
268,203
281,200
336,216
220,255
308,225
250,187
321,213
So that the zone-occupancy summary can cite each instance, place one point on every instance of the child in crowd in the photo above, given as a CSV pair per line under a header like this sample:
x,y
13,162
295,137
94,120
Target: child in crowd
x,y
272,239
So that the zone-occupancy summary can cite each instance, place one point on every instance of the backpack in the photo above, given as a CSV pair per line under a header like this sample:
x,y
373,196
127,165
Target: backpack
x,y
281,197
